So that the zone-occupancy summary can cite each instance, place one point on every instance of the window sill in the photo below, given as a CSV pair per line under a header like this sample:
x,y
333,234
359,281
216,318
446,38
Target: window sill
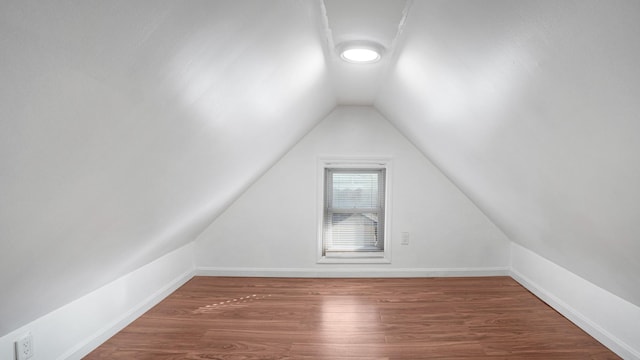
x,y
353,260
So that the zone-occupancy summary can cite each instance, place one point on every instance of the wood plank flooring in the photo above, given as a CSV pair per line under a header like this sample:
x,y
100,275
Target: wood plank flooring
x,y
351,319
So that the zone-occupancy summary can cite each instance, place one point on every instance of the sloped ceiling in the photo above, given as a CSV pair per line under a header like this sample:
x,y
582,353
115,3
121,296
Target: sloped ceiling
x,y
532,109
127,127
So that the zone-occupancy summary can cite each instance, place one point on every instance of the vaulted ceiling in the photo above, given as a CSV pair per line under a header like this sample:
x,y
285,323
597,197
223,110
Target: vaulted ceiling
x,y
127,127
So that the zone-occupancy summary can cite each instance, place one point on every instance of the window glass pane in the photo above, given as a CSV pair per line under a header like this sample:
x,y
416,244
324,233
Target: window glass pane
x,y
355,190
354,231
354,212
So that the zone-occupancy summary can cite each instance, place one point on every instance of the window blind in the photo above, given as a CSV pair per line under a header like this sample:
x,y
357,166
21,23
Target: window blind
x,y
354,210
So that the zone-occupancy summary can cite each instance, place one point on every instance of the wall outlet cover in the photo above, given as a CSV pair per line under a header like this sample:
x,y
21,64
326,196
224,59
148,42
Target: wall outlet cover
x,y
24,347
404,239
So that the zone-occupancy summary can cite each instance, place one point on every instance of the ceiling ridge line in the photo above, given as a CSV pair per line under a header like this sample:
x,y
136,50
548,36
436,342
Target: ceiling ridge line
x,y
328,33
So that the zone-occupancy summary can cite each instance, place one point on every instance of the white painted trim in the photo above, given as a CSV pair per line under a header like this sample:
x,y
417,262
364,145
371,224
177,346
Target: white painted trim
x,y
355,272
75,329
619,319
99,337
356,162
608,318
608,338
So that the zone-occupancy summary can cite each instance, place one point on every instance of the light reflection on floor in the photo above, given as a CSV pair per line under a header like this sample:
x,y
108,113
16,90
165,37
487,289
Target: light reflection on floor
x,y
344,318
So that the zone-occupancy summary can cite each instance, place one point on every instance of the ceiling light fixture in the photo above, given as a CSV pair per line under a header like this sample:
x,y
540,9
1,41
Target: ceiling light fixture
x,y
360,52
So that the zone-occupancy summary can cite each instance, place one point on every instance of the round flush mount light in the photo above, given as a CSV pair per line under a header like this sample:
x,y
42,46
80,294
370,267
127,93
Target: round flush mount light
x,y
360,52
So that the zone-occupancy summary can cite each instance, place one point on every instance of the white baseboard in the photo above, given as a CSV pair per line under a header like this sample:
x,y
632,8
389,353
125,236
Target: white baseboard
x,y
609,319
606,338
355,272
80,326
92,319
102,335
620,344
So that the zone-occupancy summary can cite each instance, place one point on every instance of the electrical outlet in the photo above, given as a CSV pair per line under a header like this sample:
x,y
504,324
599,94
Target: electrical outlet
x,y
24,347
404,240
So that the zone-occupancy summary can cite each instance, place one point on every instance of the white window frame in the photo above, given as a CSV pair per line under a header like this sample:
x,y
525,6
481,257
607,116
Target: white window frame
x,y
377,162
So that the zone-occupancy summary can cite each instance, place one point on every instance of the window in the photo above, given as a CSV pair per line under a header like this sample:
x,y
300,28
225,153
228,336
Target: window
x,y
354,212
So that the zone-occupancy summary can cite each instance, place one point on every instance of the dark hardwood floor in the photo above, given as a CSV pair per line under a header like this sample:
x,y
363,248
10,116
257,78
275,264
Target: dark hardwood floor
x,y
351,319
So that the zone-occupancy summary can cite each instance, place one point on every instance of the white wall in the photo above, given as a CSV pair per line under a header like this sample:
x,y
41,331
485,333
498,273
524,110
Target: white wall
x,y
78,327
610,319
531,108
271,229
116,118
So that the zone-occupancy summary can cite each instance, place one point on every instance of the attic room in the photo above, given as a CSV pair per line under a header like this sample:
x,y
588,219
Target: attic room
x,y
146,145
